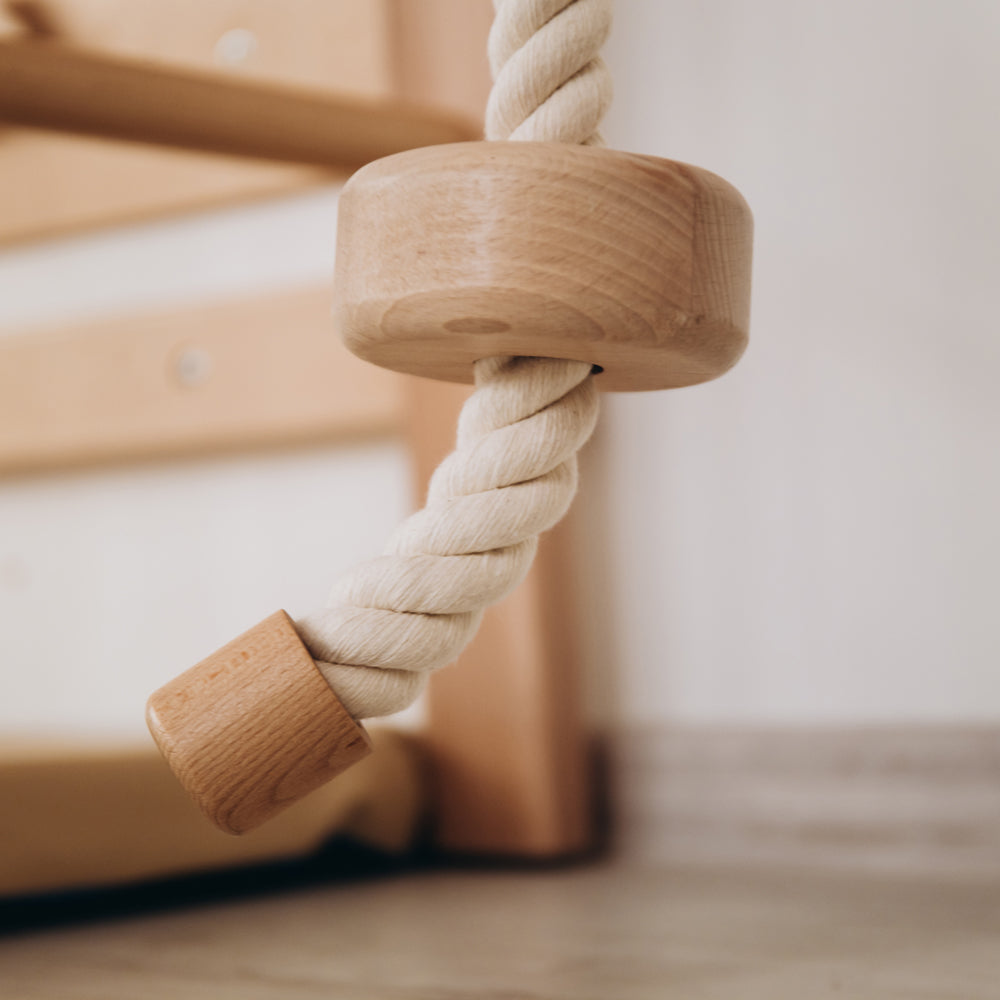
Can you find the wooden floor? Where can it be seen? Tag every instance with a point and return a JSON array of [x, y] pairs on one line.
[[605, 931]]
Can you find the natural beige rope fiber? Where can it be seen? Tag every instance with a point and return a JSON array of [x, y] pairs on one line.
[[513, 473], [550, 83]]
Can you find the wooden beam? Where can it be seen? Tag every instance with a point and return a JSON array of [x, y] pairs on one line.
[[437, 54], [506, 738], [45, 84], [256, 372], [57, 182]]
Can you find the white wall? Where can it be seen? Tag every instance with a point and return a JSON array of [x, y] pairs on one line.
[[813, 537], [114, 580]]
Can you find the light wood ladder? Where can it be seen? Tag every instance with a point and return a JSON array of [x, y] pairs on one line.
[[508, 759]]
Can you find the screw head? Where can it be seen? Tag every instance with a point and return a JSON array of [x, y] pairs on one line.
[[192, 367], [235, 46]]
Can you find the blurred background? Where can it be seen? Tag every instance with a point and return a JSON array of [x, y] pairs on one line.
[[785, 580], [811, 539]]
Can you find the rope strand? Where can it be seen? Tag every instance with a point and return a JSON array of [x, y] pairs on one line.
[[513, 474]]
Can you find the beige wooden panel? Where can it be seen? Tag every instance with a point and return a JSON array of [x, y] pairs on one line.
[[249, 373], [438, 53], [330, 44], [86, 814], [54, 183]]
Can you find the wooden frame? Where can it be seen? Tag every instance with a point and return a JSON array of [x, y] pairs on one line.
[[267, 372], [225, 376], [507, 740], [509, 750], [53, 87], [356, 55]]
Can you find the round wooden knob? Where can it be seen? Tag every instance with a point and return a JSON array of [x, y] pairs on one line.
[[453, 253], [254, 727]]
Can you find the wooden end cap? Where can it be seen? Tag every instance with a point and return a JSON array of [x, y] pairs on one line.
[[254, 727], [453, 253]]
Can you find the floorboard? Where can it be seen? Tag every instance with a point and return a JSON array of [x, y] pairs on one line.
[[596, 932]]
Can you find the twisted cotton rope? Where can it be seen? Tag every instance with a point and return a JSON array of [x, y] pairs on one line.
[[513, 474]]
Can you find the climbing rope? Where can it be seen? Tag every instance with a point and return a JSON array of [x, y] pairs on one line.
[[513, 474]]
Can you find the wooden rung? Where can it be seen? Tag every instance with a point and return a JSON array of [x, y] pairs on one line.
[[255, 372], [47, 85]]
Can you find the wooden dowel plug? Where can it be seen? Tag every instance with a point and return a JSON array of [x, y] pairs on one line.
[[254, 727]]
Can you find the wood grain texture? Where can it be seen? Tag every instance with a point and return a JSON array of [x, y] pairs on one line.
[[608, 932], [505, 737], [57, 183], [46, 85], [82, 814], [255, 372], [254, 727], [635, 264]]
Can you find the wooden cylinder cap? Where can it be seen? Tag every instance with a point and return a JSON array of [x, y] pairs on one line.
[[453, 253], [254, 727]]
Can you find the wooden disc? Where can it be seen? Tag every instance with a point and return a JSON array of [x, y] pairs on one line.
[[453, 253], [254, 727]]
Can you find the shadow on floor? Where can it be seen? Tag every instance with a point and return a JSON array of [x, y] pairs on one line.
[[341, 860]]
